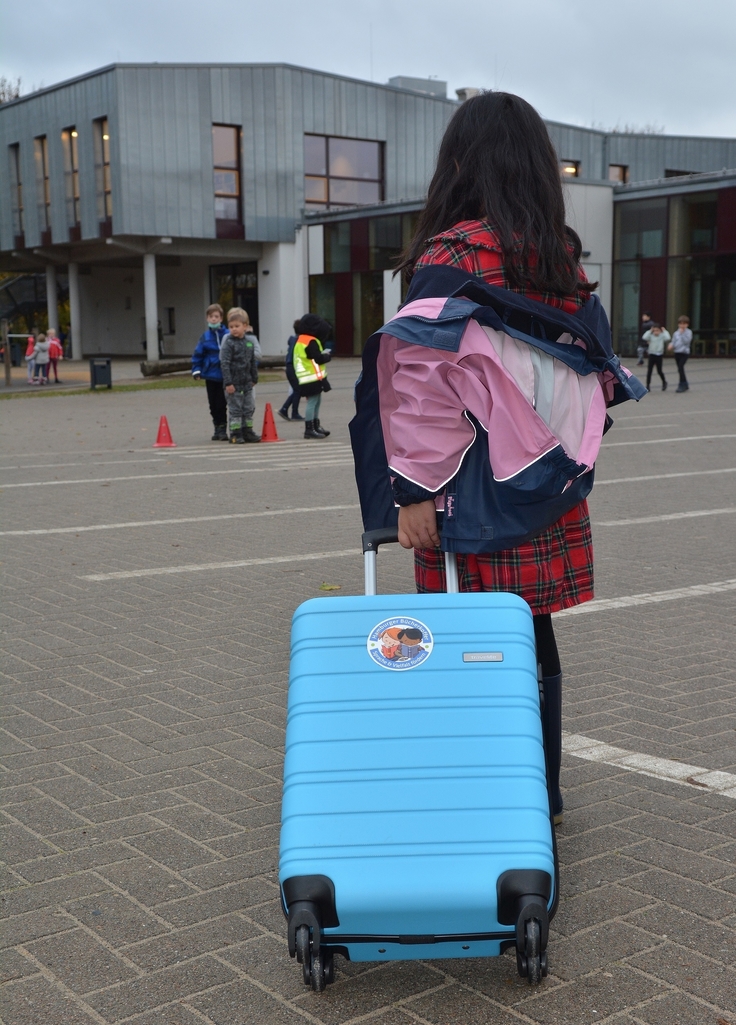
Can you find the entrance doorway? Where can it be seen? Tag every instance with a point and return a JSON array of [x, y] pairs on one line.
[[236, 284]]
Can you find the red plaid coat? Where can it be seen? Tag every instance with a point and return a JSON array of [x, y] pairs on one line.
[[554, 570]]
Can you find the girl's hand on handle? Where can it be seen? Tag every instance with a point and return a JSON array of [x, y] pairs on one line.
[[418, 525]]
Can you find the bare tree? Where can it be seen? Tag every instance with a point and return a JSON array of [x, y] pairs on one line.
[[9, 89]]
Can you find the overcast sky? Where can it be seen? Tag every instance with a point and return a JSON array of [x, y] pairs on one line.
[[668, 63]]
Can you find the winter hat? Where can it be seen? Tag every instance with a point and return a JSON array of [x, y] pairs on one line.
[[311, 324]]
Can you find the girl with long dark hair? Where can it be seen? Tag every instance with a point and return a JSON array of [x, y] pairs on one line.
[[495, 210]]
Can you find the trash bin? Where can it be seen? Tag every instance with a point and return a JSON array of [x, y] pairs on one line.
[[100, 373]]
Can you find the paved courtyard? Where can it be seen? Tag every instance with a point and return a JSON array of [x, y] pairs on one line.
[[146, 616]]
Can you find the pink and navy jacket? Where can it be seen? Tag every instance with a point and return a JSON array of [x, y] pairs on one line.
[[492, 403]]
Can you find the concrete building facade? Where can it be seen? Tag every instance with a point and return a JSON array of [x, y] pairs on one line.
[[147, 191]]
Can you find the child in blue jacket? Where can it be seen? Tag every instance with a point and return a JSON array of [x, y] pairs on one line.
[[206, 365]]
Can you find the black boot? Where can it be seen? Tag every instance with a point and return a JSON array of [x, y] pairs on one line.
[[283, 413], [320, 429], [310, 432], [552, 730], [249, 434], [220, 432], [236, 437]]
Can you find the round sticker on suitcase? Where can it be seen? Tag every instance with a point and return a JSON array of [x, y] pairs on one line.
[[400, 643]]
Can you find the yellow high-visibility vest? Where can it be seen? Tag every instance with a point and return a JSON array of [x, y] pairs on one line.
[[307, 370]]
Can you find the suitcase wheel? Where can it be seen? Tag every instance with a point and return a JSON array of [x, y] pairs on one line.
[[317, 970], [532, 963]]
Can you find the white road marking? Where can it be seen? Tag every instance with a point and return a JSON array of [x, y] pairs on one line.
[[198, 567], [648, 598], [664, 476], [665, 516], [663, 441], [298, 464], [188, 453], [675, 412], [185, 519], [693, 776]]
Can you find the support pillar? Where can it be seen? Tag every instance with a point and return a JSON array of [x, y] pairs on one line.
[[52, 308], [151, 305], [75, 317]]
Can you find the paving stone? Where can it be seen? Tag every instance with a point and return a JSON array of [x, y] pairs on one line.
[[19, 844], [237, 897], [68, 864], [685, 863], [368, 992], [173, 850], [50, 894], [13, 965], [246, 1004], [594, 906], [453, 1006], [80, 961], [21, 928], [220, 934], [162, 987], [146, 881], [685, 893], [597, 948], [115, 918], [174, 1014], [600, 994], [679, 1009], [717, 939], [692, 972], [35, 1000]]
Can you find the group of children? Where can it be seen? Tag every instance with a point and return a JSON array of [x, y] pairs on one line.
[[42, 354], [226, 359], [653, 343]]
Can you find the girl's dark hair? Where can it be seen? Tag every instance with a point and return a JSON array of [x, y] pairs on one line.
[[497, 164]]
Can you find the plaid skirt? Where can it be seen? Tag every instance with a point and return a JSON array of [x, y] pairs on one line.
[[551, 572]]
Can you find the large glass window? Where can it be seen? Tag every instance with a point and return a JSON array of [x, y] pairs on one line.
[[226, 160], [641, 228], [384, 241], [103, 183], [341, 172], [70, 148], [16, 196], [43, 188], [693, 222]]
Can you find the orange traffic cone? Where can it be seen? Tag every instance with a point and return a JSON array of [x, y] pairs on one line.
[[164, 439], [269, 432]]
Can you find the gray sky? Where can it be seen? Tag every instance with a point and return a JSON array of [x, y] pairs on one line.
[[668, 63]]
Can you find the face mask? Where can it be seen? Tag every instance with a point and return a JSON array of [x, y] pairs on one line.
[[214, 323]]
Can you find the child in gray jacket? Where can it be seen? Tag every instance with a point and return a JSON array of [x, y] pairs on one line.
[[656, 338], [239, 374]]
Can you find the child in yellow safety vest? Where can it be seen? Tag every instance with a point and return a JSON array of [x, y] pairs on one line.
[[309, 361]]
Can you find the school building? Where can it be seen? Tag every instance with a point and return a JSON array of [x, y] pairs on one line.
[[135, 195]]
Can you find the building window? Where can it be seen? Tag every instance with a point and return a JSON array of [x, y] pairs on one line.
[[640, 229], [618, 173], [570, 168], [16, 196], [342, 172], [170, 320], [103, 184], [70, 147], [236, 284], [43, 188], [226, 160]]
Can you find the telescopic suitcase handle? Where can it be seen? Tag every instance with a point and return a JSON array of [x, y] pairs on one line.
[[372, 539]]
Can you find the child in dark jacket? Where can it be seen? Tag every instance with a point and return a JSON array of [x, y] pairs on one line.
[[239, 374], [206, 365]]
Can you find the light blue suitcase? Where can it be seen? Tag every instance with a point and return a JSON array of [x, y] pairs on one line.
[[415, 820]]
